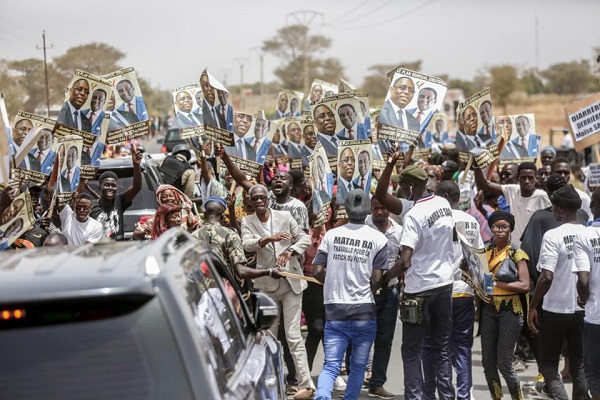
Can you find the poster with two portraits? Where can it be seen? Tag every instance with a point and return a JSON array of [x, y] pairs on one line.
[[288, 104], [16, 219], [511, 138], [412, 100]]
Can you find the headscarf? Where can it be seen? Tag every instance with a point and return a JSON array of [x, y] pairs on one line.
[[183, 201], [502, 216], [160, 219]]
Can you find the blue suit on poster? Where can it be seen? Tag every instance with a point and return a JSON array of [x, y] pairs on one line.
[[484, 137], [228, 116], [74, 179], [367, 179], [389, 116], [47, 162], [139, 106], [322, 195], [532, 144], [97, 124], [262, 152], [361, 133], [425, 122]]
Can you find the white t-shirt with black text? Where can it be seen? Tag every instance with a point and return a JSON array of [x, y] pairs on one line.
[[556, 256], [586, 250], [428, 230]]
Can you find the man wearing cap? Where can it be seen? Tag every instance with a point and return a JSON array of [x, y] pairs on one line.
[[427, 257], [354, 256], [524, 199], [562, 316], [449, 168], [279, 243], [177, 171]]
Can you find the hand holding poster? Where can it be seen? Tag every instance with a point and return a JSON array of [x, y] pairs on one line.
[[476, 265]]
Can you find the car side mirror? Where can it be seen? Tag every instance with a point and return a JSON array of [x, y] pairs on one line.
[[160, 141], [266, 311]]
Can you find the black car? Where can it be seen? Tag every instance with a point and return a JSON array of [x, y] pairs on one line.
[[133, 320], [172, 139], [144, 203]]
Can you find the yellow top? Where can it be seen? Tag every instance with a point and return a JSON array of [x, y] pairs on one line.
[[504, 297]]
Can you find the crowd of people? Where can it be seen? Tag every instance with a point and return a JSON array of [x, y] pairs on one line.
[[397, 249]]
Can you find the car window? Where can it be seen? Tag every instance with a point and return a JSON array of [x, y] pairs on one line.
[[217, 314], [172, 135]]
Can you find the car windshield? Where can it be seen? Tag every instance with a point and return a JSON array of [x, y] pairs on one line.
[[94, 351], [172, 135]]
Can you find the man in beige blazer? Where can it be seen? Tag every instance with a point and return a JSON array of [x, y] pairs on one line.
[[279, 243]]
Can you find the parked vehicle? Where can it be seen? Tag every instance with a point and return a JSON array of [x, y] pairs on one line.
[[172, 139], [133, 320]]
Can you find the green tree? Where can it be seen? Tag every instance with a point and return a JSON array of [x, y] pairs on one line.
[[531, 82], [570, 78], [291, 44], [95, 58], [377, 83], [29, 76], [467, 87], [504, 82], [157, 101]]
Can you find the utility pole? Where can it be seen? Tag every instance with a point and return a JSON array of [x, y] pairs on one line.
[[242, 61], [305, 18], [46, 72], [261, 57]]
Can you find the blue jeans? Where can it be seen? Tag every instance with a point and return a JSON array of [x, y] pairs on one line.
[[461, 343], [387, 314], [436, 328], [338, 335]]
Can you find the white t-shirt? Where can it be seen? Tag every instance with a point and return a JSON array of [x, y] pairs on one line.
[[79, 233], [523, 208], [586, 251], [469, 227], [353, 251], [428, 230], [393, 235], [585, 203], [557, 256]]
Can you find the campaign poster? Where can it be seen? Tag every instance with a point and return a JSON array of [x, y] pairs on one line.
[[354, 167], [346, 87], [259, 138], [477, 136], [409, 105], [278, 152], [318, 90], [321, 181], [216, 110], [16, 219], [243, 151], [336, 119], [288, 104], [293, 129], [583, 117], [5, 139], [128, 114], [24, 136], [187, 103], [68, 157], [521, 141], [477, 266], [436, 134], [308, 142], [593, 176]]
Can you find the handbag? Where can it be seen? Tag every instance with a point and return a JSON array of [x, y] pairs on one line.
[[508, 269]]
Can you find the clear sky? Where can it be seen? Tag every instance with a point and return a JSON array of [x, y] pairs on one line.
[[171, 42]]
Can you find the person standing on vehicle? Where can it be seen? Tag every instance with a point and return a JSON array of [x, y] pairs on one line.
[[177, 171], [111, 206]]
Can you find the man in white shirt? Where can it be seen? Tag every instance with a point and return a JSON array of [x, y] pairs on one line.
[[562, 317], [77, 226], [427, 259], [524, 199], [463, 305], [586, 248]]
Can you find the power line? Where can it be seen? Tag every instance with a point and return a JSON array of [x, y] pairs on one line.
[[351, 11], [392, 19], [374, 10]]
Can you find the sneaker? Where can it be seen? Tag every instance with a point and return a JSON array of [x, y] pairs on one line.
[[339, 384], [519, 366], [381, 393], [539, 390], [538, 378], [303, 394]]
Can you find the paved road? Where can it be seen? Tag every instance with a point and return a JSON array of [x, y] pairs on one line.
[[395, 376]]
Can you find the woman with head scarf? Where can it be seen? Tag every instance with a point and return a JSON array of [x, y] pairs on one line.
[[502, 318], [169, 194], [167, 216]]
